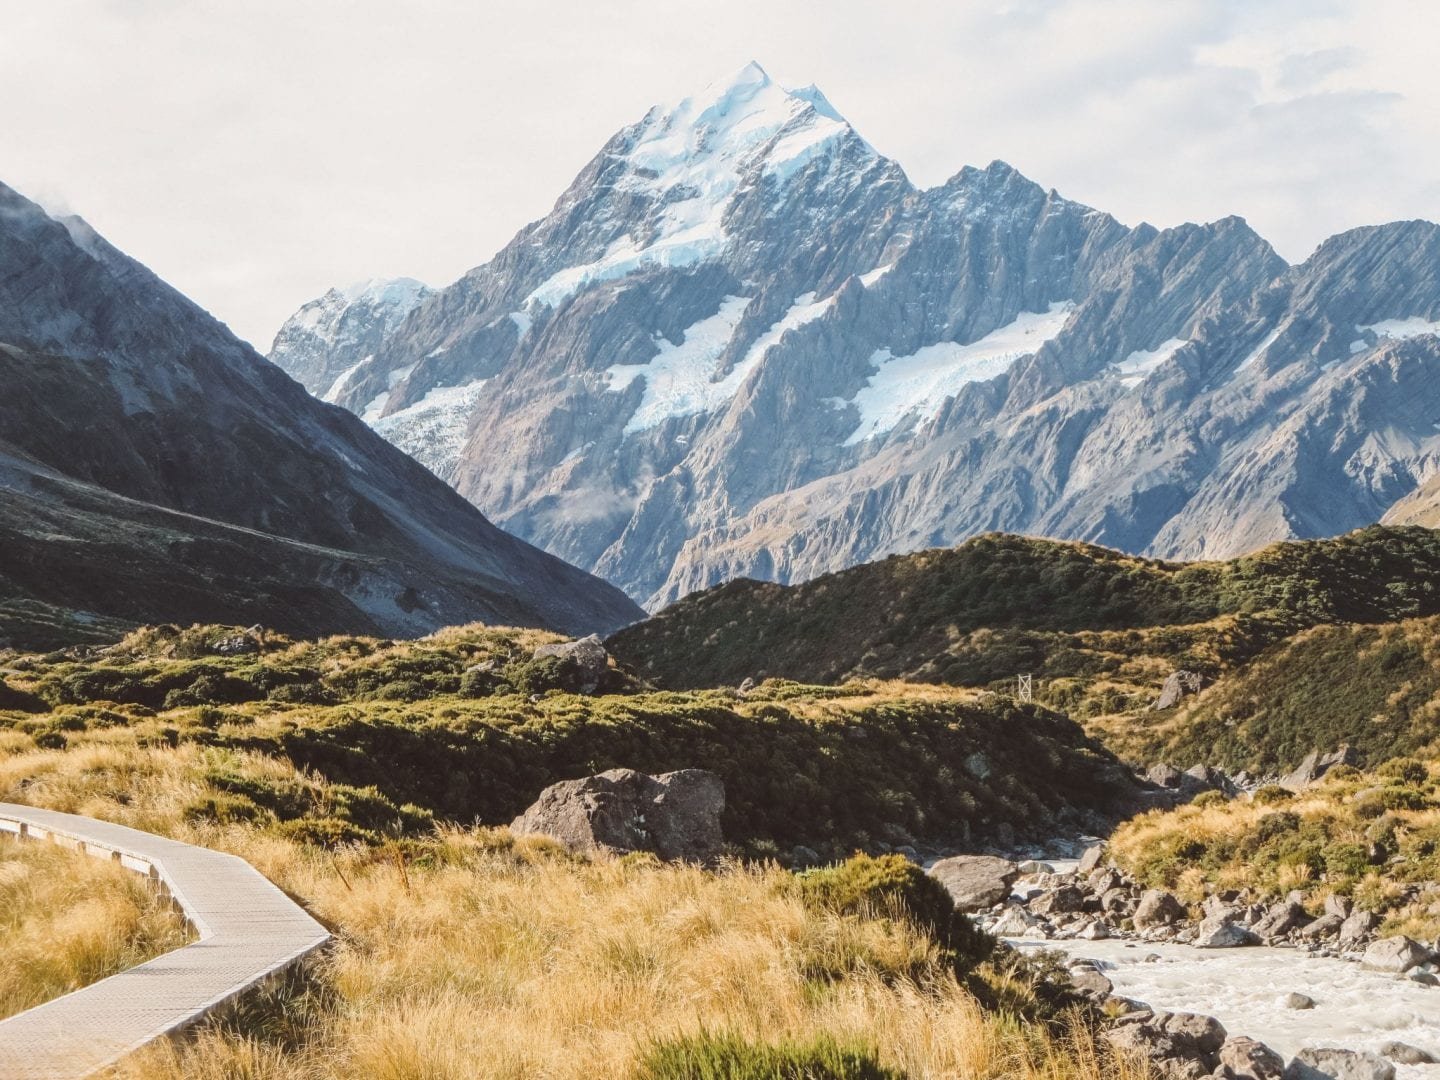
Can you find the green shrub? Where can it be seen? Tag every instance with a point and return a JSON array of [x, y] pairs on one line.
[[730, 1057], [1209, 798], [1346, 860], [1405, 770], [1376, 801], [893, 887], [1272, 794], [51, 740]]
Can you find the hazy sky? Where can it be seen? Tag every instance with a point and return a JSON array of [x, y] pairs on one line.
[[255, 153]]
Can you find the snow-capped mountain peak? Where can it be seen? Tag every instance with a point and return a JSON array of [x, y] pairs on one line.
[[333, 334]]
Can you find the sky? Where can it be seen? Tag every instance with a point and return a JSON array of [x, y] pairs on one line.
[[257, 152]]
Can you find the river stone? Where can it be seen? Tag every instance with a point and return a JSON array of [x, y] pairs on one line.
[[1222, 933], [1293, 1000], [1405, 1054], [1205, 1032], [1090, 860], [976, 882], [1090, 981], [1016, 922], [1061, 900], [1395, 954], [675, 815], [1280, 919], [1244, 1058], [1317, 1064], [1356, 928], [1325, 926], [1158, 908], [1172, 1057]]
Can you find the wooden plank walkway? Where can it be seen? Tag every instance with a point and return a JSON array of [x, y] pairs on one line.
[[248, 930]]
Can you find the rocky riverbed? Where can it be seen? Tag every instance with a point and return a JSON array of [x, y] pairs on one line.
[[1229, 988]]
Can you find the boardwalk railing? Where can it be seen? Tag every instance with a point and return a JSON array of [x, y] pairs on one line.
[[247, 930]]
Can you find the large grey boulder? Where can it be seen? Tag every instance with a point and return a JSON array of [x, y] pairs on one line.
[[1395, 954], [1280, 919], [976, 882], [1326, 1064], [1178, 1046], [1404, 1054], [1222, 932], [587, 655], [1090, 860], [1244, 1058], [675, 815], [1178, 685], [1158, 908], [1316, 765], [1357, 928]]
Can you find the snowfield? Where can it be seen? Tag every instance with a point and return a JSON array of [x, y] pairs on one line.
[[921, 383]]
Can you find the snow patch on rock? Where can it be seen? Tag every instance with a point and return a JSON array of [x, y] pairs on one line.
[[433, 430], [921, 383], [1134, 369]]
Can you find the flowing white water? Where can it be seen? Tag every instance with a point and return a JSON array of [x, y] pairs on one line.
[[1354, 1009]]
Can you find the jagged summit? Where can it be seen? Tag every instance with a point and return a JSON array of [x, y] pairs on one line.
[[744, 343]]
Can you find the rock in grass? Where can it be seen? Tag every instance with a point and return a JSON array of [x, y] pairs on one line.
[[675, 815]]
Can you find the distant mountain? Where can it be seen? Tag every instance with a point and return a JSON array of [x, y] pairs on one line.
[[154, 468], [330, 337], [744, 344]]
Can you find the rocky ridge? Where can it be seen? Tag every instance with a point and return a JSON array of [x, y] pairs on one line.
[[743, 343], [155, 468]]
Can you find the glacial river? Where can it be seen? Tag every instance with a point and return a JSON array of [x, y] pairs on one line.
[[1242, 988]]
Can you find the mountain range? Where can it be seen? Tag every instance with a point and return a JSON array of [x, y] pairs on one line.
[[743, 343], [153, 468]]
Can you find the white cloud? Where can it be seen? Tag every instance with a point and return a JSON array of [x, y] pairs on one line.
[[257, 152]]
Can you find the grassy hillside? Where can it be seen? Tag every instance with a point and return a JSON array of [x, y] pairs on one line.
[[1376, 687], [1000, 604], [464, 726]]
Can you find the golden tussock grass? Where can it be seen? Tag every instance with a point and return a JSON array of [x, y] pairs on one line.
[[67, 920], [475, 954]]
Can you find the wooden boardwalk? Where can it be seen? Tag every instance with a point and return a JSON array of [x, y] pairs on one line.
[[248, 930]]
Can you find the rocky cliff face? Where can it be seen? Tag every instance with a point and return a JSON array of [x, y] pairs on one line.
[[154, 467], [743, 343]]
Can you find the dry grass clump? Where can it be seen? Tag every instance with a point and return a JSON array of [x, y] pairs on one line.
[[67, 920]]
